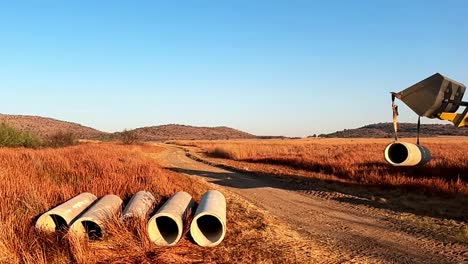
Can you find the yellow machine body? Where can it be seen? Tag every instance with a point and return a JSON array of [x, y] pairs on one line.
[[454, 118]]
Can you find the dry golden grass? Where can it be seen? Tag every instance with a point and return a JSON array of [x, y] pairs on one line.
[[33, 181], [333, 167], [350, 160]]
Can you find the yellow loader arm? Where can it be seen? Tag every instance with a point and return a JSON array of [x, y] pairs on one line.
[[458, 120]]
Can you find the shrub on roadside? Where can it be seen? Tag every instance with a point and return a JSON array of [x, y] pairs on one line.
[[12, 137], [128, 137], [220, 152], [62, 139]]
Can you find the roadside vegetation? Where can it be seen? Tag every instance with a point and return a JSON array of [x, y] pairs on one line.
[[13, 137], [358, 161], [356, 167], [61, 139], [33, 181], [128, 137]]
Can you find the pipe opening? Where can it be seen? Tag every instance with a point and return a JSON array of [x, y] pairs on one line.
[[398, 153], [168, 229], [93, 230], [59, 222], [210, 227]]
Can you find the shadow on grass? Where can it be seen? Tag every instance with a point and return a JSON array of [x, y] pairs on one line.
[[446, 172], [403, 199]]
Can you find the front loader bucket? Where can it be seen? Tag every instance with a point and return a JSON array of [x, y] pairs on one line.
[[432, 96]]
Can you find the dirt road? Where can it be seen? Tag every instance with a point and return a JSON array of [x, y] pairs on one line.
[[356, 232]]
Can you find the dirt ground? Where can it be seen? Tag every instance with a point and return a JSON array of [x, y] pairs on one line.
[[345, 224]]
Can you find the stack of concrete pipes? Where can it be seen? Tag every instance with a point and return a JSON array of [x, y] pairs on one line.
[[85, 215]]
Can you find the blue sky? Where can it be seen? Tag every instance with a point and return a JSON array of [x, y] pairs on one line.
[[291, 68]]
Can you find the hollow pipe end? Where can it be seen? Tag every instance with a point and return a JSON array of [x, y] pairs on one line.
[[163, 233], [207, 229], [403, 154], [46, 223], [87, 227]]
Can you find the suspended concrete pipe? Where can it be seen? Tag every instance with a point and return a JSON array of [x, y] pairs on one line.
[[165, 228], [208, 226], [91, 222], [407, 154], [139, 206], [61, 216]]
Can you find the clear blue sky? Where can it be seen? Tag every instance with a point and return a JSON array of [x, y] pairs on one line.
[[267, 67]]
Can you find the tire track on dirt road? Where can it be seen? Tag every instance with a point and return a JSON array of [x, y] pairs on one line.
[[357, 233]]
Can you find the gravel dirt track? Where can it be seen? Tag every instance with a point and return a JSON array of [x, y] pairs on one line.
[[357, 233]]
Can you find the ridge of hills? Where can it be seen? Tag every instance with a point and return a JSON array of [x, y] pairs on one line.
[[45, 127], [385, 130]]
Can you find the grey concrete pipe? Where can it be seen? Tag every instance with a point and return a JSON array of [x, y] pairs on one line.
[[165, 228], [208, 226], [139, 206], [407, 154], [61, 216], [91, 222]]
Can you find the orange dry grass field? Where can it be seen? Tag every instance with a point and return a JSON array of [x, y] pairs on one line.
[[350, 160], [34, 181]]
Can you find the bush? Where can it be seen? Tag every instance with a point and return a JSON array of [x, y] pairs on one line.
[[62, 139], [220, 152], [128, 137], [12, 137]]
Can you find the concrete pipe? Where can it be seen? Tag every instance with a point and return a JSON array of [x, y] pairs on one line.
[[139, 206], [91, 222], [61, 216], [208, 226], [165, 228], [407, 154]]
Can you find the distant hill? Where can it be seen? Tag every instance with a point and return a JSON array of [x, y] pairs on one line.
[[45, 127], [385, 130], [183, 132]]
